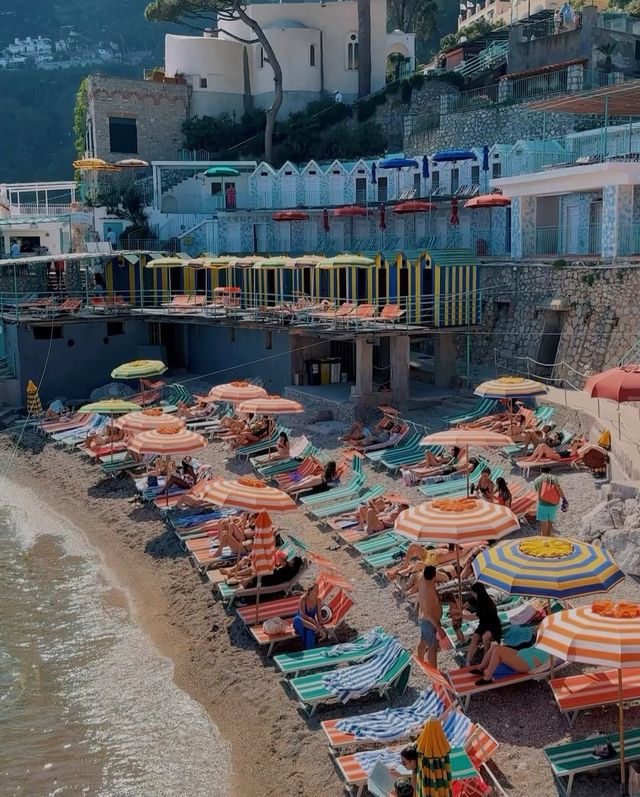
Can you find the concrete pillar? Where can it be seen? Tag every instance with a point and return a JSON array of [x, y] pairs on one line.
[[445, 103], [523, 226], [445, 356], [575, 77], [362, 393], [504, 89], [399, 357], [617, 218]]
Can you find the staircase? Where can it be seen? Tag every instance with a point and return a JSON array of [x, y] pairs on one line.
[[483, 61]]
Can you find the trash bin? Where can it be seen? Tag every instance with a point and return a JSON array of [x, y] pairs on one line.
[[325, 373], [313, 372], [336, 367]]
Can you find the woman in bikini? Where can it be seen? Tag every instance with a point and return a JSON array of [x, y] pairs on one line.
[[500, 661], [371, 521]]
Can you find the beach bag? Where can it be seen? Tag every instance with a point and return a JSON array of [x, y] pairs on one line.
[[605, 439], [549, 493], [274, 626]]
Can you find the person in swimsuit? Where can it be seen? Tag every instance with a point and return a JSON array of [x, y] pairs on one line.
[[500, 661], [430, 612], [307, 623], [503, 493], [485, 486]]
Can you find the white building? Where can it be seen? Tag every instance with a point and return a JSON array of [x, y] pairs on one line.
[[316, 44], [30, 46]]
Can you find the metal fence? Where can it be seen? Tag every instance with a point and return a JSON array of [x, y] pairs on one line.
[[557, 240]]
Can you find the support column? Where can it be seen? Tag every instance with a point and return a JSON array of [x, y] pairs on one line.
[[399, 357], [445, 356], [362, 393], [523, 226], [617, 219]]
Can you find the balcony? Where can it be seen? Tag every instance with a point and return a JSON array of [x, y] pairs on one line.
[[629, 239], [556, 241], [199, 204]]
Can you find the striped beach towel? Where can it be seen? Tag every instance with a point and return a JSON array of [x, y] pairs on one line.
[[457, 727], [393, 723], [369, 758], [367, 641], [351, 682]]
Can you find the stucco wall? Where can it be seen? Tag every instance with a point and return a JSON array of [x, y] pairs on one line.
[[158, 108], [234, 353]]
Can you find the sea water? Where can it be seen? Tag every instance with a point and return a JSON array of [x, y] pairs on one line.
[[87, 705]]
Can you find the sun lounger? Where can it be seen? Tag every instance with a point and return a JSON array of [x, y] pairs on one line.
[[555, 464], [573, 758], [409, 445], [457, 487], [229, 594], [77, 434], [281, 607], [394, 462], [339, 605], [64, 423], [262, 445], [518, 449], [484, 408], [319, 658], [356, 768], [577, 693], [389, 724], [390, 314], [311, 690], [320, 513], [363, 312], [352, 488], [345, 309]]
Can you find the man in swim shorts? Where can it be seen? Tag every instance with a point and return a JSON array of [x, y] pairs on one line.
[[430, 612]]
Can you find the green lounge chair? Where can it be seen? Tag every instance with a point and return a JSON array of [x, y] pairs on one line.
[[387, 558], [286, 465], [310, 690], [411, 443], [457, 490], [484, 407], [261, 445], [291, 664], [347, 506], [394, 464], [377, 543], [313, 502], [453, 485], [175, 392], [572, 758]]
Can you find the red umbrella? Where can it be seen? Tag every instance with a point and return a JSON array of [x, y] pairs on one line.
[[382, 218], [325, 220], [415, 206], [454, 220], [290, 215], [617, 384], [488, 201], [350, 210]]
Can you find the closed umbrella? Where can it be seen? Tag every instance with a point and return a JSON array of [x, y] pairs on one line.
[[263, 552], [434, 767], [454, 219], [325, 220], [139, 369], [425, 167], [464, 438], [617, 384], [456, 521], [34, 405], [485, 165], [248, 493], [606, 634], [546, 567], [374, 173], [237, 391], [382, 218]]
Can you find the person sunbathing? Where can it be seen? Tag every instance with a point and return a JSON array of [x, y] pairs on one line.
[[488, 420], [237, 537], [544, 452], [387, 439], [434, 465], [379, 434], [202, 409], [317, 482], [356, 433], [283, 449], [112, 434], [372, 521], [484, 487], [500, 661], [256, 431], [534, 437]]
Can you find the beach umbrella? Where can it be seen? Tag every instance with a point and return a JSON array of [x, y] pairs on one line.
[[453, 156], [151, 418], [374, 173], [398, 163], [347, 261], [434, 767], [34, 405], [425, 167], [139, 369], [413, 206], [547, 567], [270, 405], [290, 215], [617, 384], [221, 171], [173, 261], [350, 212], [237, 391], [248, 493], [112, 406], [509, 388], [132, 163], [94, 164], [465, 438], [168, 441], [488, 201], [605, 634], [263, 551], [325, 220], [456, 521]]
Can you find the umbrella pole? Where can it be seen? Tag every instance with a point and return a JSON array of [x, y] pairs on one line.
[[459, 575], [468, 479], [623, 789], [619, 425], [258, 597]]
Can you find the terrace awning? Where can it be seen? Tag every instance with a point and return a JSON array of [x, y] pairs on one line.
[[620, 99]]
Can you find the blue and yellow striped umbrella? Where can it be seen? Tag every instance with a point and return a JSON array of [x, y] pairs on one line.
[[547, 567]]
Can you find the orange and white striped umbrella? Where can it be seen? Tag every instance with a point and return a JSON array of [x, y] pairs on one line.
[[248, 493], [153, 418], [167, 440], [270, 405], [456, 521], [604, 633], [480, 438], [263, 551], [511, 387], [235, 392]]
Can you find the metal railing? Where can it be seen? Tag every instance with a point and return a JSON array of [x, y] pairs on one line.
[[622, 23], [473, 99], [629, 239], [562, 240], [43, 209], [202, 204]]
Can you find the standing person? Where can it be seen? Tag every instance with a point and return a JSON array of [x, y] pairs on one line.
[[15, 248], [230, 197], [58, 267], [549, 497], [557, 21], [430, 611], [111, 238], [489, 627], [337, 95]]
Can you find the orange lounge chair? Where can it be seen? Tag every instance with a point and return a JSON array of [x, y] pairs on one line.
[[345, 309], [339, 605], [283, 607], [308, 467], [565, 462], [591, 690], [363, 312], [63, 424], [390, 314]]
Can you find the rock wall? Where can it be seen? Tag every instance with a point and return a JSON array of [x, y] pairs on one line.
[[590, 312]]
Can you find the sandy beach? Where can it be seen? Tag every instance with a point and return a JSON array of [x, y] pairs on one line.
[[275, 749]]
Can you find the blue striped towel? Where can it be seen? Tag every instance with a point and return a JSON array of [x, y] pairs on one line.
[[352, 682], [368, 640], [393, 723], [456, 727], [390, 758]]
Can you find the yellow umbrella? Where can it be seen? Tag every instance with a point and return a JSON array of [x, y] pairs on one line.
[[34, 405], [434, 766]]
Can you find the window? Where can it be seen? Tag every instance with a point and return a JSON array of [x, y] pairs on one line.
[[637, 51], [203, 83], [496, 170], [123, 135], [435, 180], [115, 328], [312, 55], [417, 183], [382, 189], [455, 180], [216, 189], [352, 51], [48, 332], [475, 175], [154, 333]]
